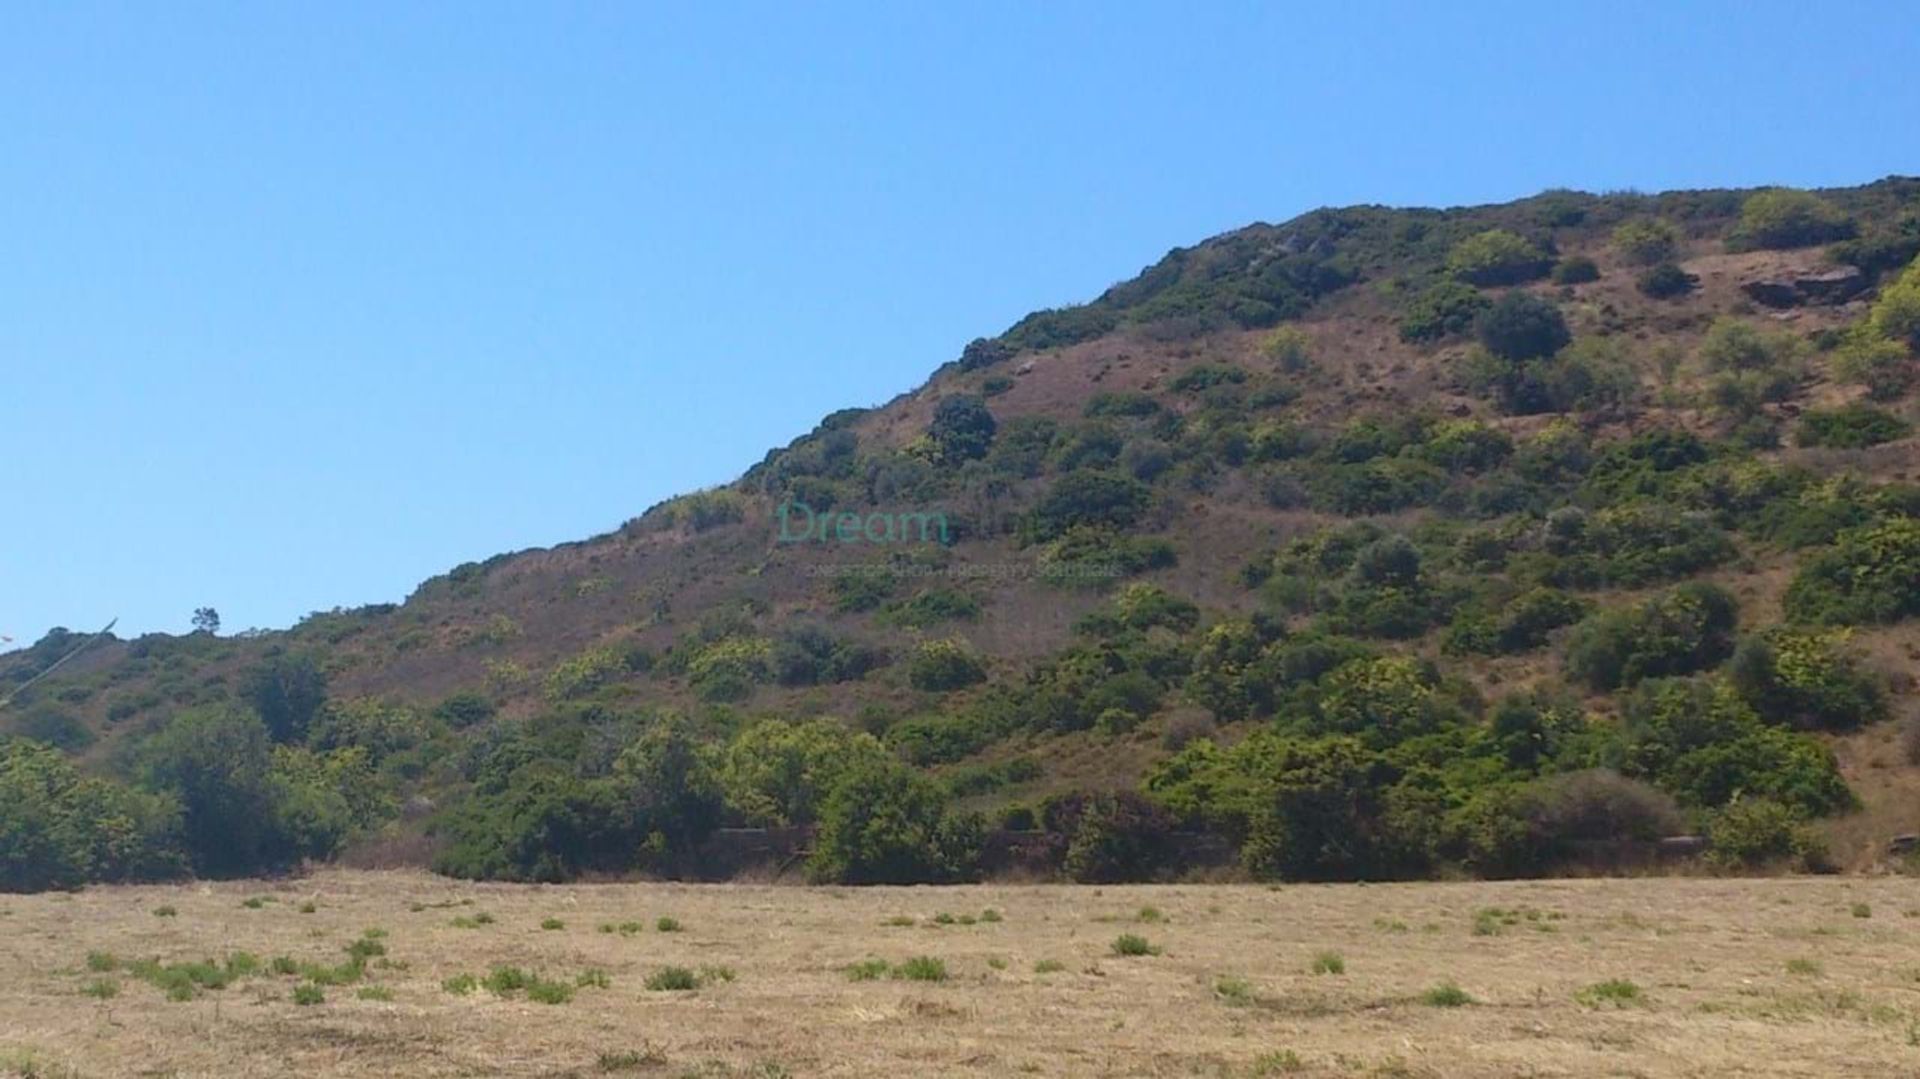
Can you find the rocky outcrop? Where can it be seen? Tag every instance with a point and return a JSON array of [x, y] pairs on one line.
[[1821, 287]]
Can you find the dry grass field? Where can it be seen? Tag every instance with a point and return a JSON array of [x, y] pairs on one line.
[[1648, 977]]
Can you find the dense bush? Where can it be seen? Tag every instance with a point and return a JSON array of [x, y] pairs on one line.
[[1666, 281], [941, 666], [1646, 241], [1109, 837], [777, 773], [1884, 366], [1896, 314], [1522, 326], [984, 352], [1806, 680], [532, 816], [1446, 309], [884, 824], [59, 829], [1753, 833], [287, 691], [50, 724], [1575, 270], [1685, 630], [962, 429], [1870, 574], [1696, 738], [1850, 427], [807, 655], [246, 807], [1520, 625], [1088, 498], [1733, 345], [1783, 217], [1497, 257]]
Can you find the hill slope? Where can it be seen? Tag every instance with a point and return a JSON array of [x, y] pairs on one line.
[[1452, 491]]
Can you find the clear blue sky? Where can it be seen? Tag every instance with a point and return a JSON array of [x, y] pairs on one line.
[[301, 304]]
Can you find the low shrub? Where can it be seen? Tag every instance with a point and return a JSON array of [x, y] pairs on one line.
[[1850, 427], [1783, 217]]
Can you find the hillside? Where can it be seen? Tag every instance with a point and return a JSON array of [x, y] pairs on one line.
[[1379, 517]]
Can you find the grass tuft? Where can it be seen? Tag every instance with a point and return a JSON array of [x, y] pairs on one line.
[[673, 980], [1614, 992], [1445, 995], [1133, 944]]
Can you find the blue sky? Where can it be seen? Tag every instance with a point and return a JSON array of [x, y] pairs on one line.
[[301, 304]]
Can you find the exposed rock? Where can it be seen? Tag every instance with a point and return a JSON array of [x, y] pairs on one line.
[[1824, 287], [1903, 844], [1772, 293], [1837, 285]]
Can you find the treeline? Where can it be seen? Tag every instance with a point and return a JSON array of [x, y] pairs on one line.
[[255, 785]]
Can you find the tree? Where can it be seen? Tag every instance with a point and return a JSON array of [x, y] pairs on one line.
[[886, 824], [287, 691], [1522, 327], [219, 762], [206, 620], [778, 773]]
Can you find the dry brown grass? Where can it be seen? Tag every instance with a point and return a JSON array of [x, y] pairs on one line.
[[1232, 992]]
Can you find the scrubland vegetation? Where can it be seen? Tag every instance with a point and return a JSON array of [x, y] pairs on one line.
[[1381, 544]]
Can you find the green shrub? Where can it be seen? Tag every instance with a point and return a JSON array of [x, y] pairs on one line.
[[1110, 836], [1522, 326], [1615, 992], [1783, 217], [1850, 427], [1088, 498], [1685, 630], [60, 829], [672, 980], [1497, 257], [1132, 944], [1646, 240], [867, 970], [943, 666], [984, 352], [1205, 377], [1756, 832], [1896, 314], [1870, 574], [962, 429], [1575, 270], [1885, 367], [306, 995], [1289, 348], [1446, 309], [1807, 680], [1666, 281], [1445, 995], [920, 968], [885, 824], [1698, 739]]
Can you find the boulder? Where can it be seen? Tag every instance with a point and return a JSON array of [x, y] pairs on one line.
[[1822, 287]]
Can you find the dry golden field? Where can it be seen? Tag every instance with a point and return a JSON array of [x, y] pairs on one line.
[[1800, 977]]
